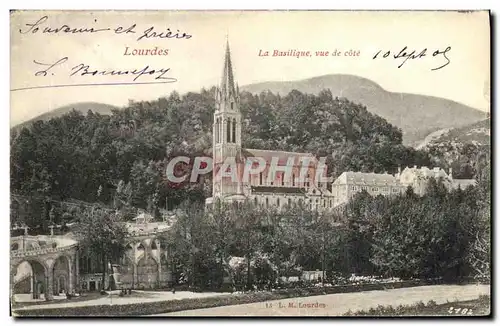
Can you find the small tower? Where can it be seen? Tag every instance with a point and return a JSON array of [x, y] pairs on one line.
[[226, 129]]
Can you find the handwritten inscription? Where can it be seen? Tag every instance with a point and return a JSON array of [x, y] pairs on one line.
[[406, 55], [41, 27], [83, 69]]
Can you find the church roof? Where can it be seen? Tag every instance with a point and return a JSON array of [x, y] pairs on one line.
[[278, 190], [366, 178], [268, 155]]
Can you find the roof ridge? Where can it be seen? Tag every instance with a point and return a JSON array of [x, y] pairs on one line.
[[271, 150]]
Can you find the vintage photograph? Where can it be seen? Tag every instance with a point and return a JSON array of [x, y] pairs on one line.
[[250, 163]]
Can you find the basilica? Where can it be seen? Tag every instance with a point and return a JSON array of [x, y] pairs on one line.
[[284, 177]]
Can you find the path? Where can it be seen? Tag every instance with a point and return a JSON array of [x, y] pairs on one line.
[[338, 304], [142, 296]]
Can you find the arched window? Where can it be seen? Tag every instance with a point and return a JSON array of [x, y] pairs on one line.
[[260, 178], [278, 202], [293, 180], [221, 130], [232, 105], [217, 140], [228, 130], [255, 201], [283, 179], [267, 202], [234, 131]]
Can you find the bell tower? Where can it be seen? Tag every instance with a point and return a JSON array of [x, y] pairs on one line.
[[226, 129]]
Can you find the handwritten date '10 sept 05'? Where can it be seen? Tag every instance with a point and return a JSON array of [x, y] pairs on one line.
[[406, 55]]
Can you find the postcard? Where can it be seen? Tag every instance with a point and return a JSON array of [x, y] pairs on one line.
[[250, 163]]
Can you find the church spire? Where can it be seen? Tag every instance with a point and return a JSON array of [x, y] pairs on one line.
[[227, 88]]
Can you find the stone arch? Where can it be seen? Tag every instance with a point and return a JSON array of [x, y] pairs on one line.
[[36, 284], [62, 274], [147, 272]]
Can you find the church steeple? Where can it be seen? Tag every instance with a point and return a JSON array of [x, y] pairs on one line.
[[226, 127], [227, 83], [227, 94]]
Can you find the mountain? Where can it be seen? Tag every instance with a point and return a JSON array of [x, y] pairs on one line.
[[83, 107], [477, 133], [416, 115]]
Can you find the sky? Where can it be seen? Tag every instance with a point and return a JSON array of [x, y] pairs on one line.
[[196, 62]]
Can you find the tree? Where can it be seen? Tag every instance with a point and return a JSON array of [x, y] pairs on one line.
[[102, 234], [221, 223], [248, 235], [479, 250]]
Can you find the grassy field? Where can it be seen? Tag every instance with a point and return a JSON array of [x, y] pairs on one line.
[[478, 307]]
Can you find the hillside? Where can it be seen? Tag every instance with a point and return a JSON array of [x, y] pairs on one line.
[[416, 115], [82, 107], [477, 133]]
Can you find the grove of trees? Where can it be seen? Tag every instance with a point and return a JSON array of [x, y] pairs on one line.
[[118, 161]]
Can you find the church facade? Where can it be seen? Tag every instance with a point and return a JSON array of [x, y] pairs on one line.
[[264, 177]]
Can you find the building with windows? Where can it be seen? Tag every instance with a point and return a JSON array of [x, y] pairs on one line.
[[350, 183]]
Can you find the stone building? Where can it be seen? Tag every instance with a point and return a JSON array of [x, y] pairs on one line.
[[350, 183], [419, 178]]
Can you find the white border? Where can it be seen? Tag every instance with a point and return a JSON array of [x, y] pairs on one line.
[[196, 5]]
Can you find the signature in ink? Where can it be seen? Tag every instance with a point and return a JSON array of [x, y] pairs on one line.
[[49, 69]]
